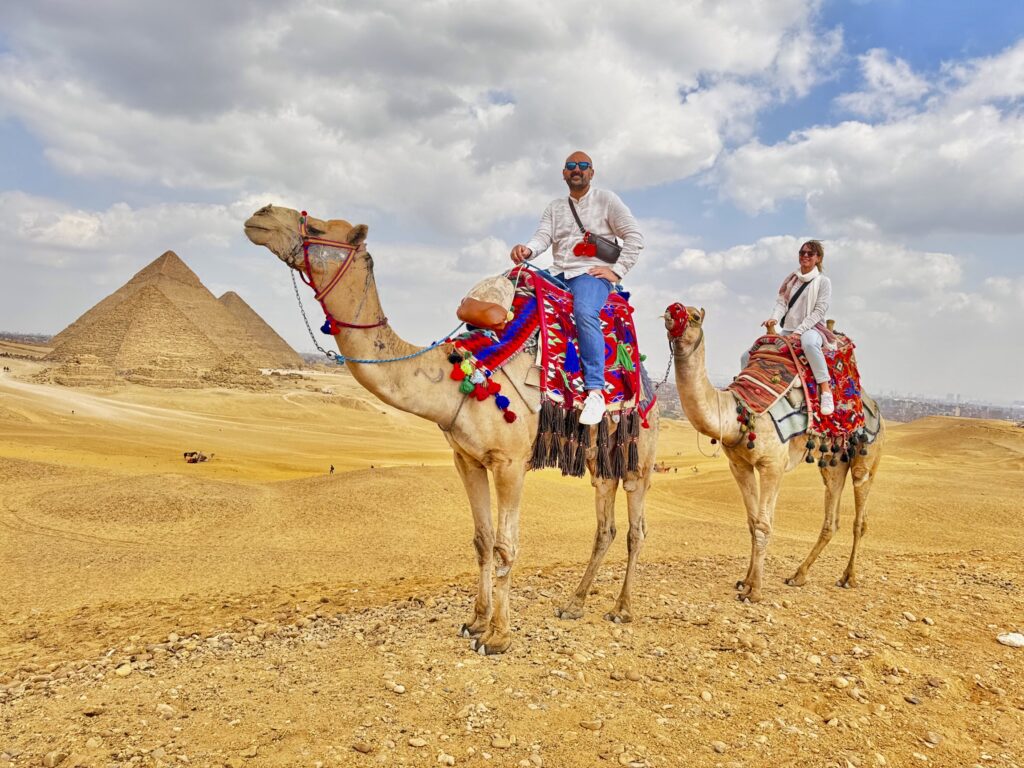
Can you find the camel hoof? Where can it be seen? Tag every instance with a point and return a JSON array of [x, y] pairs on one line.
[[618, 618], [466, 631], [568, 615], [847, 583]]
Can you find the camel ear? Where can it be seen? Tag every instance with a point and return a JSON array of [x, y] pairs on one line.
[[702, 314], [358, 234]]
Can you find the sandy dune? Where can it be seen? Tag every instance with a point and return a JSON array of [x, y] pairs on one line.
[[254, 610]]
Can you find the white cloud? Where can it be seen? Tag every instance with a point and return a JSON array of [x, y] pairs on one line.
[[955, 164], [452, 113], [891, 86]]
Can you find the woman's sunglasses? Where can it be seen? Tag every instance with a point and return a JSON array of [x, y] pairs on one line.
[[572, 166]]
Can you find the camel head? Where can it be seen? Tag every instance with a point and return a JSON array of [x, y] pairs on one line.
[[683, 324], [277, 228]]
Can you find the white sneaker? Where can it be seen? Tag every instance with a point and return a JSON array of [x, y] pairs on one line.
[[828, 404], [593, 408]]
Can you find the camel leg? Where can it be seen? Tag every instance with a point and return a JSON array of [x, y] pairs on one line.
[[863, 477], [474, 478], [635, 492], [770, 477], [604, 502], [834, 479], [747, 482], [508, 482]]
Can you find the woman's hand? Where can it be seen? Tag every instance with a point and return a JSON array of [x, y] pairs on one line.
[[520, 253]]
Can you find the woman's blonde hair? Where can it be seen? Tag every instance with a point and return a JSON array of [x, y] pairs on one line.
[[819, 249]]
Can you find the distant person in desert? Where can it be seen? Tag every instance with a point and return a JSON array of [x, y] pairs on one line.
[[332, 470], [800, 308], [602, 213]]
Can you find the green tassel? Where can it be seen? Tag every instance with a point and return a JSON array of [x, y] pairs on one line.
[[623, 357], [466, 386]]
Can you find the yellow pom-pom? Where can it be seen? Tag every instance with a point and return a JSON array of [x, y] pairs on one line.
[[510, 316], [467, 367]]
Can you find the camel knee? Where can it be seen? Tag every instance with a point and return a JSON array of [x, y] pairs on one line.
[[637, 534], [606, 535], [504, 557], [761, 536]]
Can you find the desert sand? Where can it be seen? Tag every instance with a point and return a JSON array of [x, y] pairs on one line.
[[255, 610]]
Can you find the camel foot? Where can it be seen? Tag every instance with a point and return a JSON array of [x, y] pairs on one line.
[[468, 631], [493, 644], [569, 613], [849, 581], [797, 579], [619, 617]]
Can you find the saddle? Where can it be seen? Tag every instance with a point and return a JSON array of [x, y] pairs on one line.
[[777, 365], [540, 320]]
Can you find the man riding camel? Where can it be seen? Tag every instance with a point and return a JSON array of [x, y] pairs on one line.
[[598, 212]]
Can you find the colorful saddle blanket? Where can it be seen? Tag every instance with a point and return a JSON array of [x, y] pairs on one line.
[[543, 310], [776, 362]]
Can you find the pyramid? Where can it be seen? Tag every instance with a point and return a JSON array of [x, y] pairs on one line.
[[280, 354], [164, 327]]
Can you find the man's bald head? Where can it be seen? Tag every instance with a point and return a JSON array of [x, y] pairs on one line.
[[577, 173]]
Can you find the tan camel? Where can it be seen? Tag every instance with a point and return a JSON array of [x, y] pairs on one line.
[[712, 412], [480, 438]]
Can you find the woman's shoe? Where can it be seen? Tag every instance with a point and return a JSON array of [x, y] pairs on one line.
[[828, 404]]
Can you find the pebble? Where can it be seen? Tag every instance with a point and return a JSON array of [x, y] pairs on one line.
[[54, 758], [909, 616], [445, 759], [719, 747], [911, 699], [124, 670], [929, 621], [841, 682], [1012, 639], [363, 747], [706, 695], [633, 675], [500, 742], [933, 739], [416, 741], [94, 742], [591, 725], [252, 751], [165, 711], [814, 659]]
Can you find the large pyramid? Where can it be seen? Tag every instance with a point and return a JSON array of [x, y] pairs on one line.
[[164, 327]]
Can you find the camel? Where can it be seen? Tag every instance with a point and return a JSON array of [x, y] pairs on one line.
[[481, 439], [712, 412]]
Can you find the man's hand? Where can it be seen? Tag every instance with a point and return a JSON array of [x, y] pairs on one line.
[[604, 272], [520, 253]]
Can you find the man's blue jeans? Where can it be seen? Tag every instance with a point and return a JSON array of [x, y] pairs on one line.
[[589, 294]]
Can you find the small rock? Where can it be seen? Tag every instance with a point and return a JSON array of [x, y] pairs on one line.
[[500, 742], [936, 682], [929, 621], [814, 659], [933, 739], [633, 675], [252, 751], [94, 742], [591, 725], [1012, 639], [719, 747], [165, 711], [911, 699], [124, 670], [840, 682], [706, 695], [363, 747], [416, 741], [54, 758], [909, 616], [445, 759]]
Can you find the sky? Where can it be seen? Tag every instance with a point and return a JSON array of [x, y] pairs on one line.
[[892, 130]]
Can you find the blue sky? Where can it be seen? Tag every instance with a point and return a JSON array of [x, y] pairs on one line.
[[890, 130]]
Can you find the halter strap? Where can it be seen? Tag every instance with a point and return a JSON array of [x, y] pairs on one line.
[[332, 326]]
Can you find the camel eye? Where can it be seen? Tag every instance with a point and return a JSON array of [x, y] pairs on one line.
[[264, 209], [313, 230]]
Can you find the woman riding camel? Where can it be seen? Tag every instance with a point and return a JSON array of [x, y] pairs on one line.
[[801, 307]]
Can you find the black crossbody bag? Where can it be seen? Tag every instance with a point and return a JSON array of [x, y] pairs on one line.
[[792, 301], [607, 251]]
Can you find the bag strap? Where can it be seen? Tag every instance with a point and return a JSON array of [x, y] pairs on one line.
[[792, 301], [577, 217]]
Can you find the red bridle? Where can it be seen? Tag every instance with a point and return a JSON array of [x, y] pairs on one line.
[[331, 326], [680, 317]]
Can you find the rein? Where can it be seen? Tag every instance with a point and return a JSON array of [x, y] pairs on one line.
[[332, 325]]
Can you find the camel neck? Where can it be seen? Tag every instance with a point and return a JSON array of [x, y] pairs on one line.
[[711, 411], [417, 385]]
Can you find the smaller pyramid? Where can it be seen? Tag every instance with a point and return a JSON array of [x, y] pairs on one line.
[[163, 327]]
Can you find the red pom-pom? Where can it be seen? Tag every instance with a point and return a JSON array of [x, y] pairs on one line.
[[509, 416], [480, 393], [751, 436], [457, 373], [493, 387], [304, 213]]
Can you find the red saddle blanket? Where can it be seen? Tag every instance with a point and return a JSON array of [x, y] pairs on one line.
[[544, 309], [776, 361]]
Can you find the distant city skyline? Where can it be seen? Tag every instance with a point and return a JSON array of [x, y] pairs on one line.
[[889, 129]]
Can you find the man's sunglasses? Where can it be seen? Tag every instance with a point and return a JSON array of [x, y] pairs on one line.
[[572, 166]]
